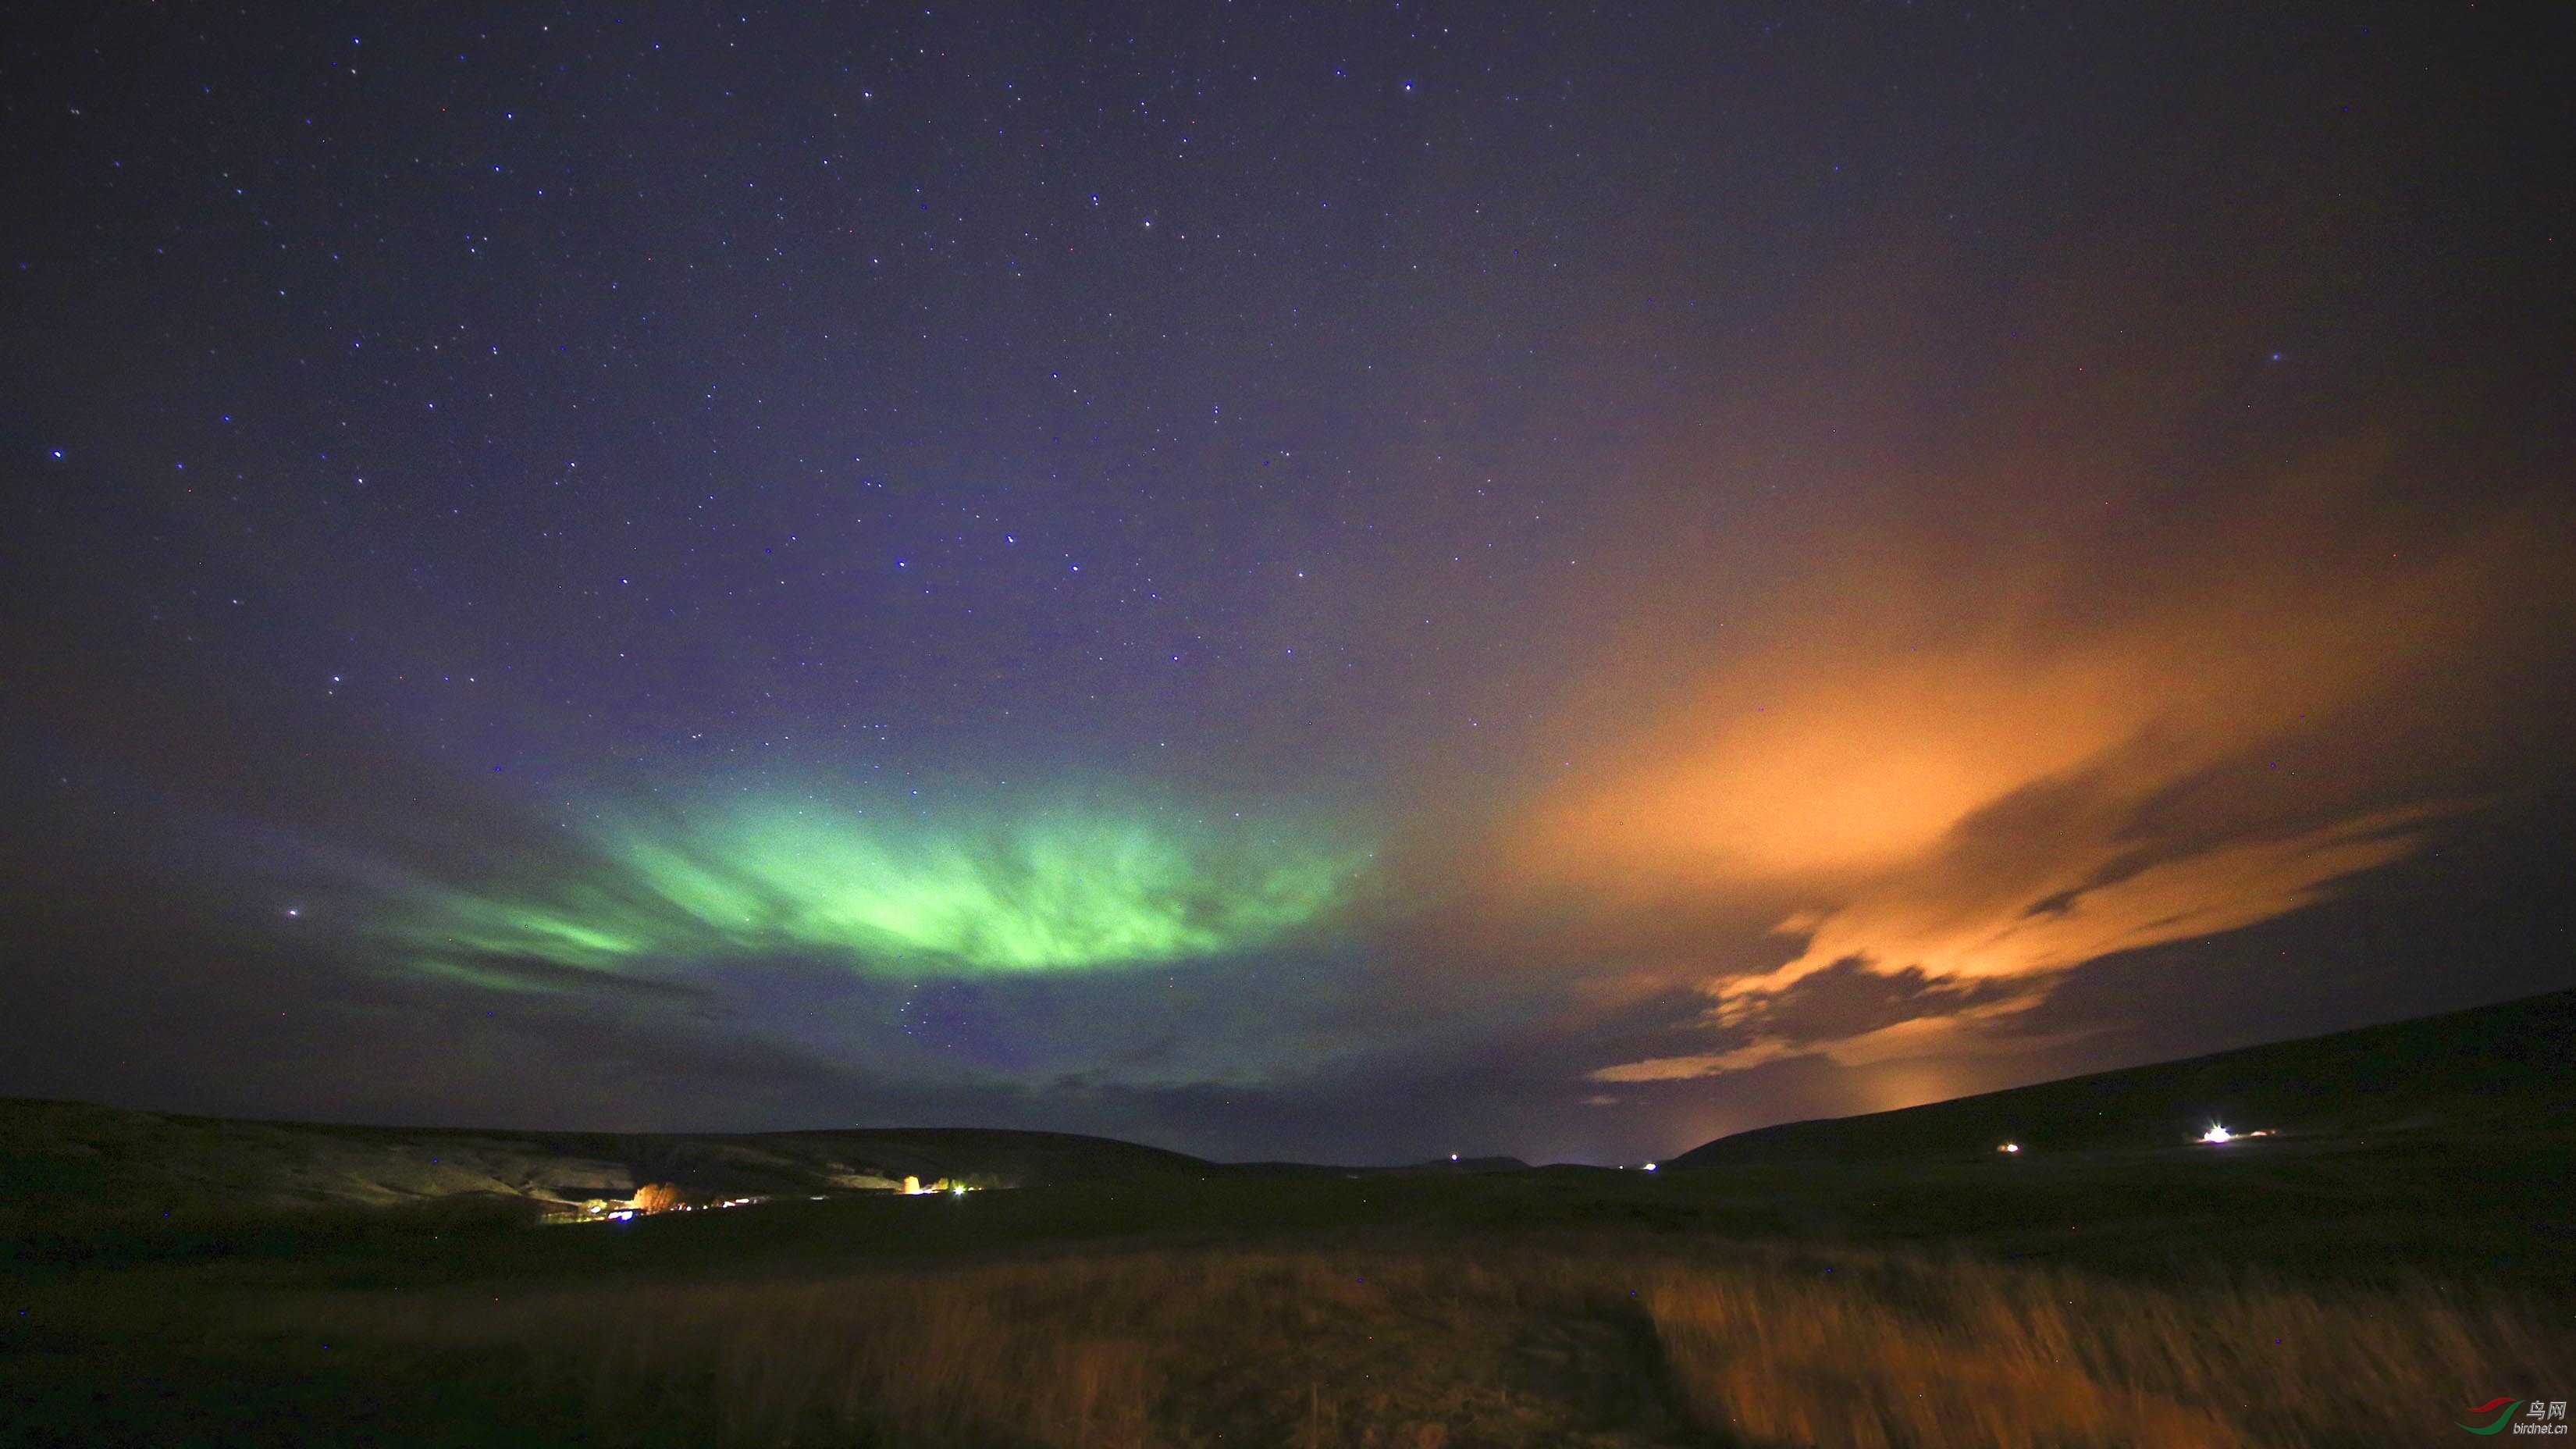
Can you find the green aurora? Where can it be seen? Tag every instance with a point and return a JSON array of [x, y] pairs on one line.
[[1059, 890]]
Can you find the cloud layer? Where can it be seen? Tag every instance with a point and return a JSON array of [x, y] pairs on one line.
[[1973, 757]]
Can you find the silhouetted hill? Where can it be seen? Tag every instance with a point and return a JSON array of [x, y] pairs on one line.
[[2493, 1068], [56, 1155], [1436, 1167]]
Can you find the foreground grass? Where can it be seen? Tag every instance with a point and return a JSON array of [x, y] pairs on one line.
[[1521, 1342], [2263, 1298]]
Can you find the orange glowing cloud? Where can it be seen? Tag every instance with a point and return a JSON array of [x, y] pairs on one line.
[[1790, 767], [1984, 772]]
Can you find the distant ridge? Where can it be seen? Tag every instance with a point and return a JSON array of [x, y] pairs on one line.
[[59, 1155], [2491, 1066], [1436, 1167]]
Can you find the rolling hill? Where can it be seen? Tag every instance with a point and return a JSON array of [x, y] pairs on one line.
[[73, 1155], [2490, 1073], [2491, 1070]]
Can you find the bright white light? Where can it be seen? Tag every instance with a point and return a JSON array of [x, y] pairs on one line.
[[1650, 1167], [2217, 1133], [1453, 1157], [2009, 1147]]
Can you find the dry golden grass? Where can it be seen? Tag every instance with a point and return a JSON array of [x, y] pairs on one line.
[[1894, 1352], [1519, 1344]]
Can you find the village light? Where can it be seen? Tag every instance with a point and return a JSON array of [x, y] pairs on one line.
[[2216, 1134]]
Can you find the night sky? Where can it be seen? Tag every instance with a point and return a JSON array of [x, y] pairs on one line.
[[1349, 583]]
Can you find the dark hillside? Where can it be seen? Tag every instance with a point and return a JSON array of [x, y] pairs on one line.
[[2497, 1069], [73, 1155]]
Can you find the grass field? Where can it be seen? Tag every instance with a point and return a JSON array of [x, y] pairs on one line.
[[2282, 1296], [1509, 1343], [2404, 1250]]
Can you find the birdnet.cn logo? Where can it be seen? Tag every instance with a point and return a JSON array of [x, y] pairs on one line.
[[2519, 1416]]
